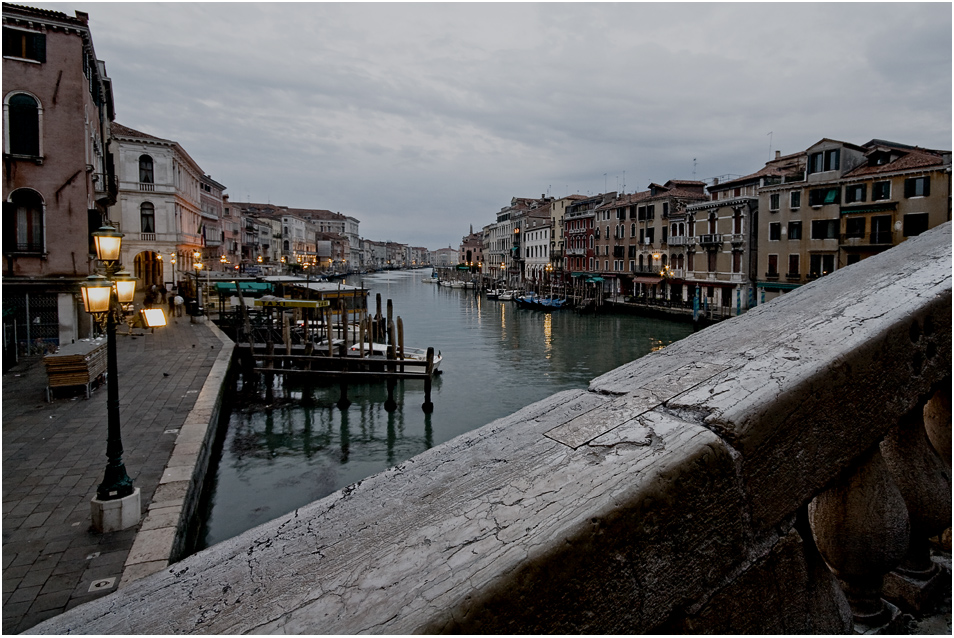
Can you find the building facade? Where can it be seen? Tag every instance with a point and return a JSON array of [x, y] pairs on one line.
[[159, 208], [852, 202], [58, 178]]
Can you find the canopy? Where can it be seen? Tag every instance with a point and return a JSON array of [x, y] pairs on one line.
[[647, 280], [246, 285]]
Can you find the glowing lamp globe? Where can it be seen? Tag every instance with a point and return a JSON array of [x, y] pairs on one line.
[[125, 286], [108, 243], [96, 291]]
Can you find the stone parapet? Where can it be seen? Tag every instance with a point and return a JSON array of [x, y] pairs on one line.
[[673, 495]]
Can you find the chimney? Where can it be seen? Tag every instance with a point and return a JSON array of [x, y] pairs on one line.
[[778, 154], [715, 181]]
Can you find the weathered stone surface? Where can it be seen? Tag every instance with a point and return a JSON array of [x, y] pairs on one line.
[[818, 374], [650, 507], [791, 580]]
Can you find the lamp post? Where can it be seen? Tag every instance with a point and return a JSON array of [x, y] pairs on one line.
[[198, 290], [117, 504]]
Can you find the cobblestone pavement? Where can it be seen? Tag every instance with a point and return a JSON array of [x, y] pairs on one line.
[[54, 455]]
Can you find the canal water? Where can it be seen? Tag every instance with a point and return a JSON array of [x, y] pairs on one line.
[[497, 358]]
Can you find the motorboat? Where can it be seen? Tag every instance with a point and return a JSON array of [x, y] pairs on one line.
[[380, 350]]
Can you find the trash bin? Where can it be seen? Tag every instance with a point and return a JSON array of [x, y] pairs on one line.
[[192, 307]]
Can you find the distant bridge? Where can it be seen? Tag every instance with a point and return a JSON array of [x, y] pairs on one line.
[[689, 491]]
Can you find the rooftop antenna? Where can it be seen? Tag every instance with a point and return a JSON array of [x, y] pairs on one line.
[[604, 182], [770, 144], [624, 182], [693, 168]]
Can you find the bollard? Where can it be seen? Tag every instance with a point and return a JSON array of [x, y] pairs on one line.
[[427, 406]]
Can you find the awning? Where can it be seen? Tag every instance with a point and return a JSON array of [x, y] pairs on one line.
[[646, 280], [246, 285], [869, 208], [594, 280]]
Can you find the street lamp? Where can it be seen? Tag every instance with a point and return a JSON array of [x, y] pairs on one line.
[[198, 289], [104, 297]]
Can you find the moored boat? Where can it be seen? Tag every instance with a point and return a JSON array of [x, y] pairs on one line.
[[380, 351]]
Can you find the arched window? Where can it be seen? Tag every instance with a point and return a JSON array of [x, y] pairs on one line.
[[145, 170], [632, 230], [23, 116], [640, 263], [664, 256], [147, 218], [23, 222], [285, 245]]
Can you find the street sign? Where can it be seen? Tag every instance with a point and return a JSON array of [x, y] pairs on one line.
[[291, 303]]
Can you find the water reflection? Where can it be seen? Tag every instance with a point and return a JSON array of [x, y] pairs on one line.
[[497, 359]]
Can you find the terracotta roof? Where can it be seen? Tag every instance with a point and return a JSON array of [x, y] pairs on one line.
[[116, 128], [911, 158]]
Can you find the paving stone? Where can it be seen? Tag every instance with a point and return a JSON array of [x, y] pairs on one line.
[[54, 455]]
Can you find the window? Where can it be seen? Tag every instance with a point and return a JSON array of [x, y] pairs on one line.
[[824, 229], [775, 231], [773, 201], [665, 209], [712, 255], [917, 187], [855, 193], [23, 222], [147, 218], [632, 231], [713, 219], [23, 124], [881, 190], [737, 222], [27, 45], [824, 161], [650, 235], [651, 211], [794, 230], [641, 213], [736, 261], [821, 265], [665, 234], [145, 170], [690, 261], [855, 227], [915, 224], [795, 199], [822, 196], [793, 265], [881, 229], [772, 265], [832, 158]]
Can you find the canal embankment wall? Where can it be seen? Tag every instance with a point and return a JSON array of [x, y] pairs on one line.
[[164, 534], [704, 488]]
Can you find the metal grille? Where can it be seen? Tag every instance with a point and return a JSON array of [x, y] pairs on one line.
[[37, 321]]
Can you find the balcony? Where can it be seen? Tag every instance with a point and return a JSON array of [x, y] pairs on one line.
[[147, 188], [736, 239], [710, 240], [877, 238], [677, 241], [771, 276]]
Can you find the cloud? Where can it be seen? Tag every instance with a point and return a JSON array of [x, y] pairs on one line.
[[422, 119]]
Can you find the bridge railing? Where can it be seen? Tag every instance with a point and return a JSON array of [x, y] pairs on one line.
[[764, 475]]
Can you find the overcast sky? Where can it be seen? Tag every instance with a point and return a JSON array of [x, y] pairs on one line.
[[422, 119]]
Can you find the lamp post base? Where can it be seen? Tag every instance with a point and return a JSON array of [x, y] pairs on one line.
[[116, 514]]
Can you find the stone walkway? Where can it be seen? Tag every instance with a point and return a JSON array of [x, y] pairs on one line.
[[54, 455]]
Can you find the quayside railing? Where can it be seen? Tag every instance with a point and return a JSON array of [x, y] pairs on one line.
[[775, 473]]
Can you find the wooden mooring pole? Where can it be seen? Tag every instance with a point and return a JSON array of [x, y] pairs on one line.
[[427, 406]]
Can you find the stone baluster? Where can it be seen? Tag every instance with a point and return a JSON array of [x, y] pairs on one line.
[[925, 484], [937, 421], [861, 529]]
